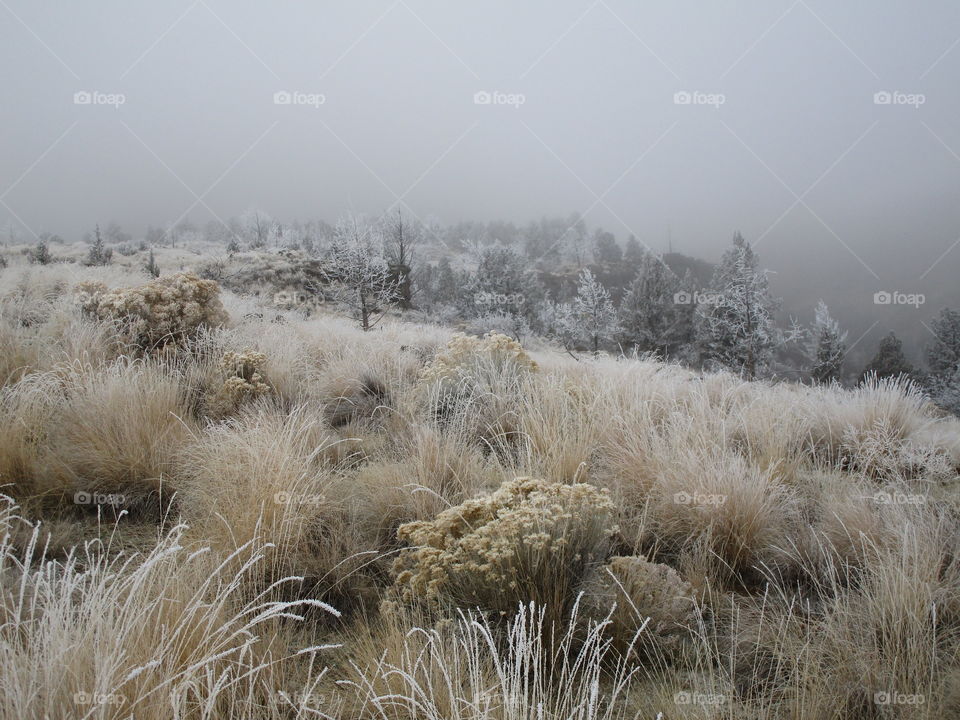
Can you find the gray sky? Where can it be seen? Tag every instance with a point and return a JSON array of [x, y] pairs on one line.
[[785, 109]]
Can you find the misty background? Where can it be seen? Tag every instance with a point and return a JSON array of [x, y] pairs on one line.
[[785, 138]]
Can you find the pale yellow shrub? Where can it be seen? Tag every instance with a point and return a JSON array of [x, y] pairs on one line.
[[243, 380], [87, 295], [530, 540], [465, 357], [168, 309]]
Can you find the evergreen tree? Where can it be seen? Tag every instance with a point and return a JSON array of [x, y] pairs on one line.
[[503, 283], [633, 252], [737, 330], [943, 354], [943, 361], [594, 311], [889, 360], [446, 287], [828, 346], [41, 254], [605, 248], [651, 318], [151, 267], [99, 253]]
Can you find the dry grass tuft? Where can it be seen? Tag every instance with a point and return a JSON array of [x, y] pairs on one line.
[[154, 636]]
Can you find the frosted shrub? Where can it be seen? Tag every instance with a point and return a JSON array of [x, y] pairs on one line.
[[168, 309], [87, 295], [476, 382], [529, 541], [466, 359], [243, 380], [645, 597]]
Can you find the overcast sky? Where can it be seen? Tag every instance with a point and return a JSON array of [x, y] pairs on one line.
[[782, 137]]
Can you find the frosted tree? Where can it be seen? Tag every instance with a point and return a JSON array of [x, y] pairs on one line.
[[503, 283], [402, 237], [255, 227], [594, 311], [151, 267], [357, 270], [99, 253], [943, 354], [446, 283], [606, 249], [943, 361], [633, 252], [889, 360], [562, 324], [946, 390], [736, 328], [827, 346], [651, 317]]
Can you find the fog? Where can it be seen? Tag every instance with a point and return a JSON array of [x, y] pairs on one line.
[[677, 122]]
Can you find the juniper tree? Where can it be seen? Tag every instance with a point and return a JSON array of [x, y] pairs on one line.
[[827, 346], [889, 360], [943, 354], [736, 328], [99, 253], [446, 282], [401, 237], [151, 267], [40, 255], [943, 361], [561, 324], [501, 282], [605, 248], [594, 311], [651, 318], [633, 252]]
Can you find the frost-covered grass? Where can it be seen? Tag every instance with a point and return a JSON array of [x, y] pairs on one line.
[[783, 551]]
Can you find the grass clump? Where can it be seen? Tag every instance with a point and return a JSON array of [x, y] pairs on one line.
[[476, 383]]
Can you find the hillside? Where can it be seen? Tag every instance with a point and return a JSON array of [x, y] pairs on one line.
[[212, 499]]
